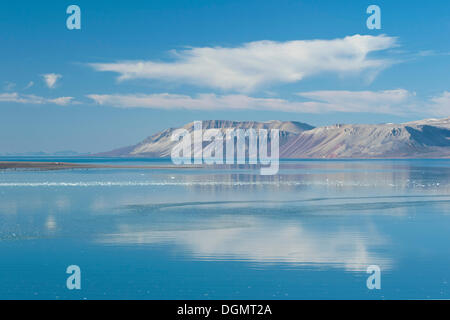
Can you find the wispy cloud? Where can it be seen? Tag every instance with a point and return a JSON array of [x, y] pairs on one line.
[[50, 79], [29, 85], [440, 105], [397, 102], [9, 86], [14, 97], [256, 64]]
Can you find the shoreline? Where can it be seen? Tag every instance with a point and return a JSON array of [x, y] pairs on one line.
[[6, 165], [54, 165]]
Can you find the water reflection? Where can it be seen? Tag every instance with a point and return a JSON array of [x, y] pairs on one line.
[[264, 240], [335, 232], [314, 213]]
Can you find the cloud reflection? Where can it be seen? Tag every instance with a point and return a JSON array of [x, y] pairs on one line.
[[263, 240]]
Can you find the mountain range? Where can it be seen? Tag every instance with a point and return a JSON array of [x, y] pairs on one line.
[[428, 138]]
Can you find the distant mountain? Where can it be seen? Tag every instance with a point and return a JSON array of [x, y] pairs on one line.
[[428, 138], [64, 153], [160, 145]]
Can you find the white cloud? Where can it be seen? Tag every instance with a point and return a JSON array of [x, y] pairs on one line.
[[33, 99], [51, 79], [29, 85], [62, 101], [440, 105], [398, 101], [177, 101], [261, 63]]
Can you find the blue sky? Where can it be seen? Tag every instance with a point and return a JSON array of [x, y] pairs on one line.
[[137, 67]]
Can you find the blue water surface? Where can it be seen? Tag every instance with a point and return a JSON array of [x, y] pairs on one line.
[[223, 233]]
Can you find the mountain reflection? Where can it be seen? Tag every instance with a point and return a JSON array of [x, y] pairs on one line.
[[331, 174]]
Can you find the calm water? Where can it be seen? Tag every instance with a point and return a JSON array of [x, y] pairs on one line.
[[309, 232]]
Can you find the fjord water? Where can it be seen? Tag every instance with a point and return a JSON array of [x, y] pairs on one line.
[[212, 233]]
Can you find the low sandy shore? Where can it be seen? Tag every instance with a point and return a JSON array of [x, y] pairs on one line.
[[67, 165]]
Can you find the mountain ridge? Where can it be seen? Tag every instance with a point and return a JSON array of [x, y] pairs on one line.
[[428, 138]]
